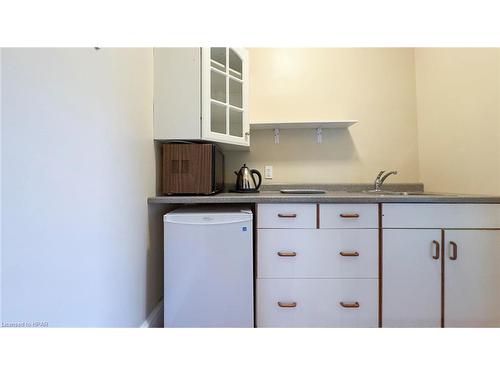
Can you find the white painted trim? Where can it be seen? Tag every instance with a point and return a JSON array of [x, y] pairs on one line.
[[155, 318]]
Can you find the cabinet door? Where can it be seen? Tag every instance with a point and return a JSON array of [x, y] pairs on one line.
[[177, 96], [472, 278], [411, 288], [225, 95]]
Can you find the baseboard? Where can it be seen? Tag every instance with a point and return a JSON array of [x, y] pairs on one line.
[[155, 318]]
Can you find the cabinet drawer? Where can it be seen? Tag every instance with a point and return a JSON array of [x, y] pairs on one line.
[[460, 215], [348, 216], [317, 303], [317, 253], [286, 216]]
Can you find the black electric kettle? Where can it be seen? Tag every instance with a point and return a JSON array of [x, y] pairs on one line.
[[245, 181]]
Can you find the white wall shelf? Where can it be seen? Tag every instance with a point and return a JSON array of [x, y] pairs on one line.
[[317, 125]]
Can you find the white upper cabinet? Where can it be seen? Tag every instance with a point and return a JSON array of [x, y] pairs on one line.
[[202, 94], [225, 95]]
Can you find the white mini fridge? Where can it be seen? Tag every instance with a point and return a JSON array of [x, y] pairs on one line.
[[208, 267]]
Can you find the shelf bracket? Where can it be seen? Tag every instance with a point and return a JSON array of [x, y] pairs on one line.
[[319, 135], [276, 136]]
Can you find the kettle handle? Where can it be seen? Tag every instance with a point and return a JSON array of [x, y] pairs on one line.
[[255, 171]]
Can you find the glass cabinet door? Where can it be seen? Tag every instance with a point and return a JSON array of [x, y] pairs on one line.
[[235, 94], [224, 109]]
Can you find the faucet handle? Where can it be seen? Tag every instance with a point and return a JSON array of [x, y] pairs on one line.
[[380, 174]]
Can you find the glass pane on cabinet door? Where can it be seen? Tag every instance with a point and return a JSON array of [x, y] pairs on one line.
[[235, 122], [217, 86], [218, 58], [218, 118], [235, 65], [235, 93]]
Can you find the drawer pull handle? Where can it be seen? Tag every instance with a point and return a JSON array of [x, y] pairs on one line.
[[454, 250], [287, 253], [437, 248], [287, 304], [288, 216], [353, 305], [349, 253], [349, 216]]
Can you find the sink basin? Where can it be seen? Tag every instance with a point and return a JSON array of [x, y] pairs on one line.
[[387, 192]]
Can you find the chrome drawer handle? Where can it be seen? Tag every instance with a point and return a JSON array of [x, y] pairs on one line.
[[353, 305], [287, 215], [287, 304], [349, 253], [349, 216], [287, 253]]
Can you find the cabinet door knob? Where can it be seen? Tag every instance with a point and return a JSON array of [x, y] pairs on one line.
[[437, 248], [349, 253], [287, 253], [349, 216], [287, 304], [287, 215], [352, 305], [454, 250]]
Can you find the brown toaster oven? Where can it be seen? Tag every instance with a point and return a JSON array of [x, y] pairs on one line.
[[192, 168]]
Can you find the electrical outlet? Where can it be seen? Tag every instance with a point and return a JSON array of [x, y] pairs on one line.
[[268, 171]]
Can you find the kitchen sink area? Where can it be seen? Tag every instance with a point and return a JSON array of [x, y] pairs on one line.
[[369, 192], [400, 193]]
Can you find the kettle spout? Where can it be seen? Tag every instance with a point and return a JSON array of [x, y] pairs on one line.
[[236, 173]]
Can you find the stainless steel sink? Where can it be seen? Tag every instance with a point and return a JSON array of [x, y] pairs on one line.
[[388, 192]]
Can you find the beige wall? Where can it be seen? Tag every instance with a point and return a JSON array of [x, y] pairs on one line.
[[458, 106], [374, 86]]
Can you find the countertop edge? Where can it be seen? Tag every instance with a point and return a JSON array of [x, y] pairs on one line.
[[254, 198]]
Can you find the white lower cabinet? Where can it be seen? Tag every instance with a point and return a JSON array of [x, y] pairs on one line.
[[317, 266], [472, 278], [317, 302], [458, 286], [411, 281]]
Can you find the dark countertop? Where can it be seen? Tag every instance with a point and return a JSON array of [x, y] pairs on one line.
[[332, 195]]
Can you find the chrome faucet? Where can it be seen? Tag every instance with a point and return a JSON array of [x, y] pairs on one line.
[[381, 177]]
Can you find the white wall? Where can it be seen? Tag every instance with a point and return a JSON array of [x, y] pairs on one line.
[[77, 168], [373, 85], [458, 102]]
